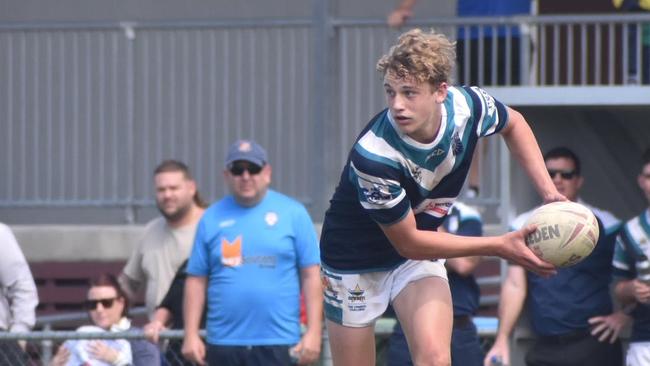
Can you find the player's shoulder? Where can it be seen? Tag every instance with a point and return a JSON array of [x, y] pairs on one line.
[[610, 222], [520, 220], [284, 201]]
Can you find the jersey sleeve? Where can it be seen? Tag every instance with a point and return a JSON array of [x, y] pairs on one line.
[[199, 261], [377, 181], [306, 241], [490, 114], [623, 261]]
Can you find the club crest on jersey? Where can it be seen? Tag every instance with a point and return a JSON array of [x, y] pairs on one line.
[[376, 194], [456, 144], [271, 218]]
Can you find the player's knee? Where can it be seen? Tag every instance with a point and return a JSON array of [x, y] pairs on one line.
[[432, 358]]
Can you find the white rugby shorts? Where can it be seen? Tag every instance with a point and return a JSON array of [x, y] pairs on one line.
[[638, 354], [358, 299]]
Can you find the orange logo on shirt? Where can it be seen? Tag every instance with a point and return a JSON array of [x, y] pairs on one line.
[[231, 252]]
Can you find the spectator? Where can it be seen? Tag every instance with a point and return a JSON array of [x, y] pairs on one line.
[[169, 314], [107, 306], [632, 273], [18, 297], [167, 240], [468, 46], [253, 252], [465, 343], [571, 313], [637, 72]]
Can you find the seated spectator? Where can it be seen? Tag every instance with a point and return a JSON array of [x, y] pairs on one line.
[[108, 307]]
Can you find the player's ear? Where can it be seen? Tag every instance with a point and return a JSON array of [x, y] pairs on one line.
[[441, 92]]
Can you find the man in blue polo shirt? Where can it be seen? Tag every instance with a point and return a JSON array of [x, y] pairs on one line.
[[465, 293], [570, 313], [254, 250]]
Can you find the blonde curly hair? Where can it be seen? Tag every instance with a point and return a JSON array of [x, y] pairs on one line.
[[423, 56]]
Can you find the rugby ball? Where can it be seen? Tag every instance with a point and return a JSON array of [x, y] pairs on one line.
[[567, 232]]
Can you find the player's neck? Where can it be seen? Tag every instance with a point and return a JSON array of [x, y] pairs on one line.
[[429, 131]]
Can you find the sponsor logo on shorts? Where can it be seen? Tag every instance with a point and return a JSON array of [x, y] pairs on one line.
[[356, 299]]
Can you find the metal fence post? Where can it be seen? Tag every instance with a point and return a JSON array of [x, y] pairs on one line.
[[46, 346]]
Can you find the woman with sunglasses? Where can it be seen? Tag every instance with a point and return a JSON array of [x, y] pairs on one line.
[[107, 306]]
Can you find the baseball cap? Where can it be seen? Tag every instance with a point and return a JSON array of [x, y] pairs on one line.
[[247, 150]]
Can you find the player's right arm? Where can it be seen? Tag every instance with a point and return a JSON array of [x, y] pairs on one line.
[[523, 146], [423, 244], [193, 303], [512, 297]]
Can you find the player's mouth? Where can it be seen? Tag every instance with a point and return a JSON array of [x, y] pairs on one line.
[[402, 120]]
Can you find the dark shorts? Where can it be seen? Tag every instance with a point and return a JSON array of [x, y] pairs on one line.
[[11, 354], [465, 345], [575, 348], [248, 355]]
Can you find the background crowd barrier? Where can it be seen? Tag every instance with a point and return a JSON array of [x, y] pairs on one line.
[[41, 346]]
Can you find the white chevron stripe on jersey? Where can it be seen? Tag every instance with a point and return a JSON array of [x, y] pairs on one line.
[[428, 179]]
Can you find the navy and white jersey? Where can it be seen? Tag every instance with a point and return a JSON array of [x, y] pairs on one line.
[[564, 303], [389, 174], [465, 292], [632, 243]]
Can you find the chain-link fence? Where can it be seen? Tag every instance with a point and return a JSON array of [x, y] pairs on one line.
[[39, 348]]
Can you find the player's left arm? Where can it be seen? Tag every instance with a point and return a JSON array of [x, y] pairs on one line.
[[310, 345], [522, 144]]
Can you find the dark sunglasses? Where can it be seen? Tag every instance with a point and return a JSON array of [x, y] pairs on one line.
[[106, 303], [239, 169], [564, 174]]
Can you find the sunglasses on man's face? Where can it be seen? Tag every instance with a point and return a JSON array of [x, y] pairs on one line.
[[106, 303], [239, 169], [563, 173]]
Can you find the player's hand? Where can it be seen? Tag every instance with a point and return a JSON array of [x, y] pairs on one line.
[[152, 330], [101, 351], [515, 249], [555, 197], [308, 349], [194, 349], [499, 351], [641, 291], [61, 357], [608, 327], [398, 17]]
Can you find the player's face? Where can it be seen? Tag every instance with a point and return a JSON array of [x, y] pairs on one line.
[[415, 107], [644, 181], [248, 182], [174, 195], [565, 178], [104, 316]]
